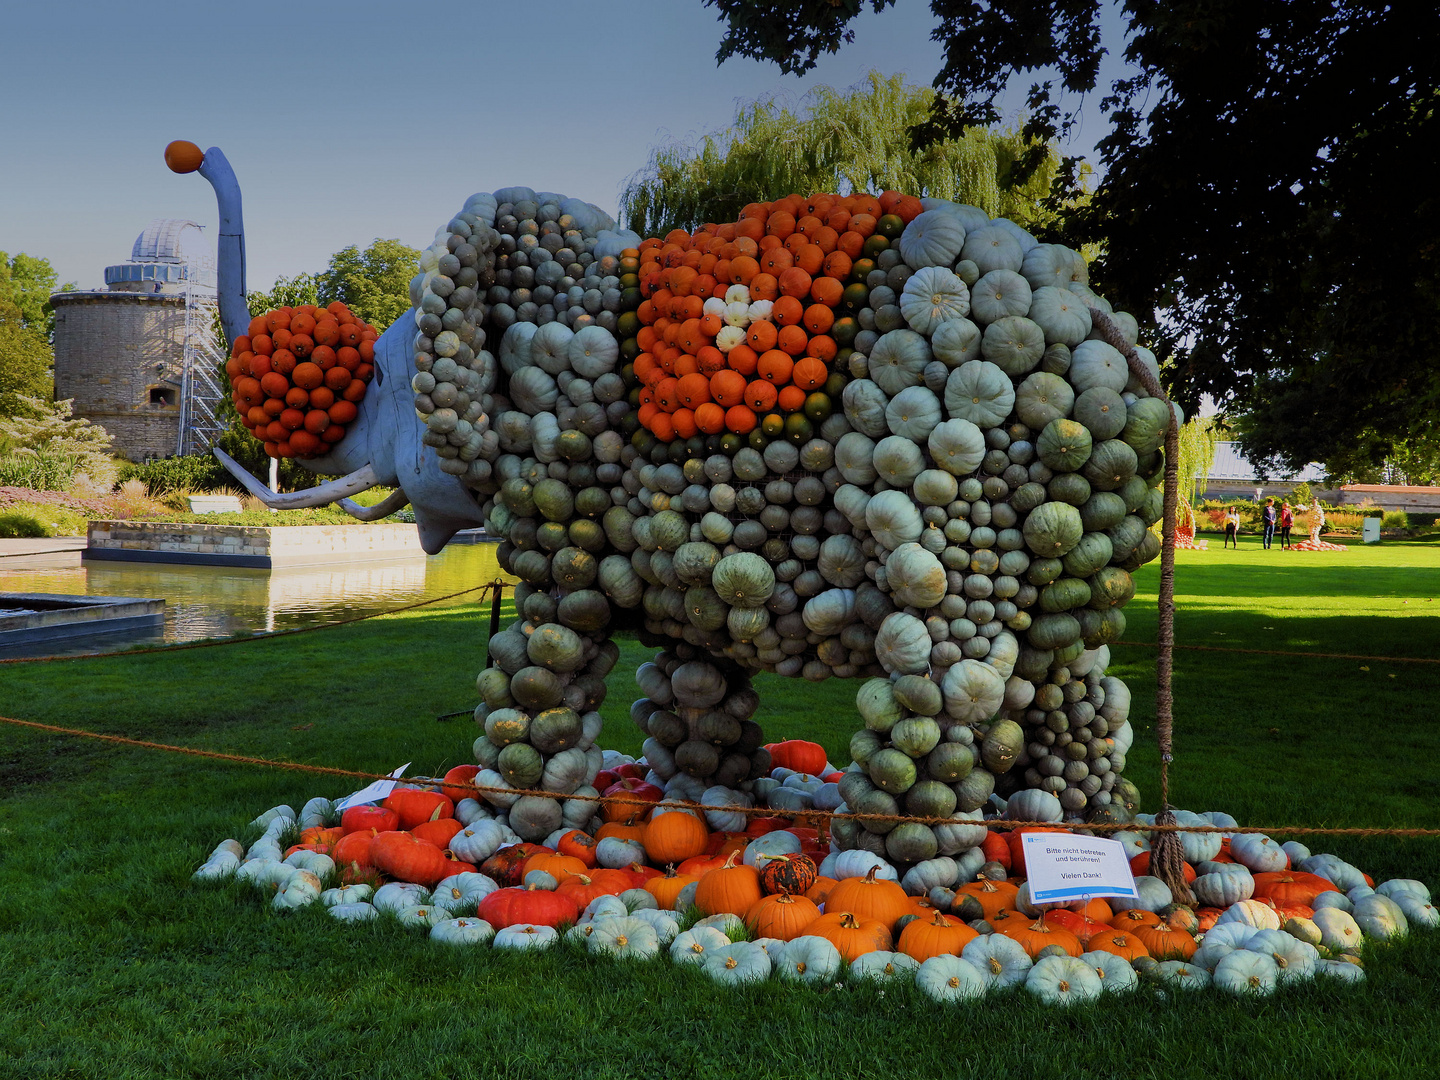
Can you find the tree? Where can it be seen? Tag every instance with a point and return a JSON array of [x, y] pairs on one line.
[[851, 140], [26, 282], [27, 361], [1265, 209], [374, 283]]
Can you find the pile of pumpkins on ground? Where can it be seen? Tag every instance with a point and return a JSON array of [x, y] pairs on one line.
[[777, 899]]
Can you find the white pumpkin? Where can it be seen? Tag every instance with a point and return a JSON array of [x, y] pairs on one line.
[[1001, 960], [955, 342], [1063, 980], [933, 238], [913, 413], [358, 911], [957, 446], [526, 936], [998, 294], [1245, 973], [1116, 974], [466, 931], [949, 979], [301, 889], [931, 296], [993, 248], [626, 938], [898, 360], [692, 946], [737, 963], [973, 691], [807, 959], [979, 392], [882, 966]]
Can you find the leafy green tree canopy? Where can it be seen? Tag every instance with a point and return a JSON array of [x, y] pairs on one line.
[[27, 361], [374, 283], [850, 140], [1264, 206]]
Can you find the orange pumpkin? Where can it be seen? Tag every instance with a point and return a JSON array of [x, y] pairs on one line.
[[781, 916], [1167, 942], [415, 805], [408, 858], [353, 848], [582, 888], [439, 832], [1037, 935], [1134, 919], [993, 897], [578, 844], [674, 836], [318, 834], [941, 935], [820, 891], [1119, 943], [559, 867], [870, 898], [1140, 866], [459, 781], [732, 889], [1285, 886], [667, 889], [1076, 923], [851, 935], [622, 830]]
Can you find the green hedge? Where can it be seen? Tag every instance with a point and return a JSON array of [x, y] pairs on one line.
[[196, 472]]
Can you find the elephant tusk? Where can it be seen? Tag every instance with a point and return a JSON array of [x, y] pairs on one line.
[[362, 479], [384, 508]]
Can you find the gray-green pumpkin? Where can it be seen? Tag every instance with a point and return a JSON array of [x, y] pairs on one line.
[[1052, 529], [743, 579], [915, 736], [877, 705], [1064, 445], [555, 647], [555, 729], [891, 770], [521, 765]]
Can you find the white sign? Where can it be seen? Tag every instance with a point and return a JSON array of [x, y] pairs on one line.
[[374, 793], [1063, 867]]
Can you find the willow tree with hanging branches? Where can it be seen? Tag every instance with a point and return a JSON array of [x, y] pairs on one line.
[[1195, 460], [837, 140]]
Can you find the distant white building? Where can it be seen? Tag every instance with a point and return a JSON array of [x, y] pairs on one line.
[[1232, 467]]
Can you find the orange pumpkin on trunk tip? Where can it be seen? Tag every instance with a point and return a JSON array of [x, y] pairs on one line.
[[183, 157]]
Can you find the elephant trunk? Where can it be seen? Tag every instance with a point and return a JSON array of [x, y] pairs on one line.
[[230, 249]]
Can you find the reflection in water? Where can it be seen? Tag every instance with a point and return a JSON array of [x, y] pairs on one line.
[[209, 602]]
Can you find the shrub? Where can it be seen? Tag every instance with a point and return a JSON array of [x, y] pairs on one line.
[[192, 473], [1395, 519], [39, 470], [37, 520], [18, 524]]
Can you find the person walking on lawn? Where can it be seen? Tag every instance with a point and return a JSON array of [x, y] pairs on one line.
[[1232, 529], [1287, 522], [1268, 517]]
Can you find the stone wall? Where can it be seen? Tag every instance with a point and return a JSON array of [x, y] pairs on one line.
[[112, 349], [249, 545]]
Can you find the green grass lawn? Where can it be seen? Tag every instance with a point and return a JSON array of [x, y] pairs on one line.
[[115, 964]]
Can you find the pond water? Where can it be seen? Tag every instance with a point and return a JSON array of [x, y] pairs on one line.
[[209, 602]]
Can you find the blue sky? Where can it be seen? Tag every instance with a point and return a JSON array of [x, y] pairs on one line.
[[348, 121]]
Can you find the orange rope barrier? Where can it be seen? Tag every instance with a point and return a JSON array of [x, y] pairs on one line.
[[747, 811]]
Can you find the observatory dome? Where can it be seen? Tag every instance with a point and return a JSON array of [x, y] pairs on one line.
[[170, 252]]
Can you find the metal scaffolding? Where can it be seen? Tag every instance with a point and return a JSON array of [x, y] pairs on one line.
[[201, 382]]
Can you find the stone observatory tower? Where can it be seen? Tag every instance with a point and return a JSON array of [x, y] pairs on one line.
[[140, 358]]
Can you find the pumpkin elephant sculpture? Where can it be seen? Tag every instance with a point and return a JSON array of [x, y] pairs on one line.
[[951, 513]]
